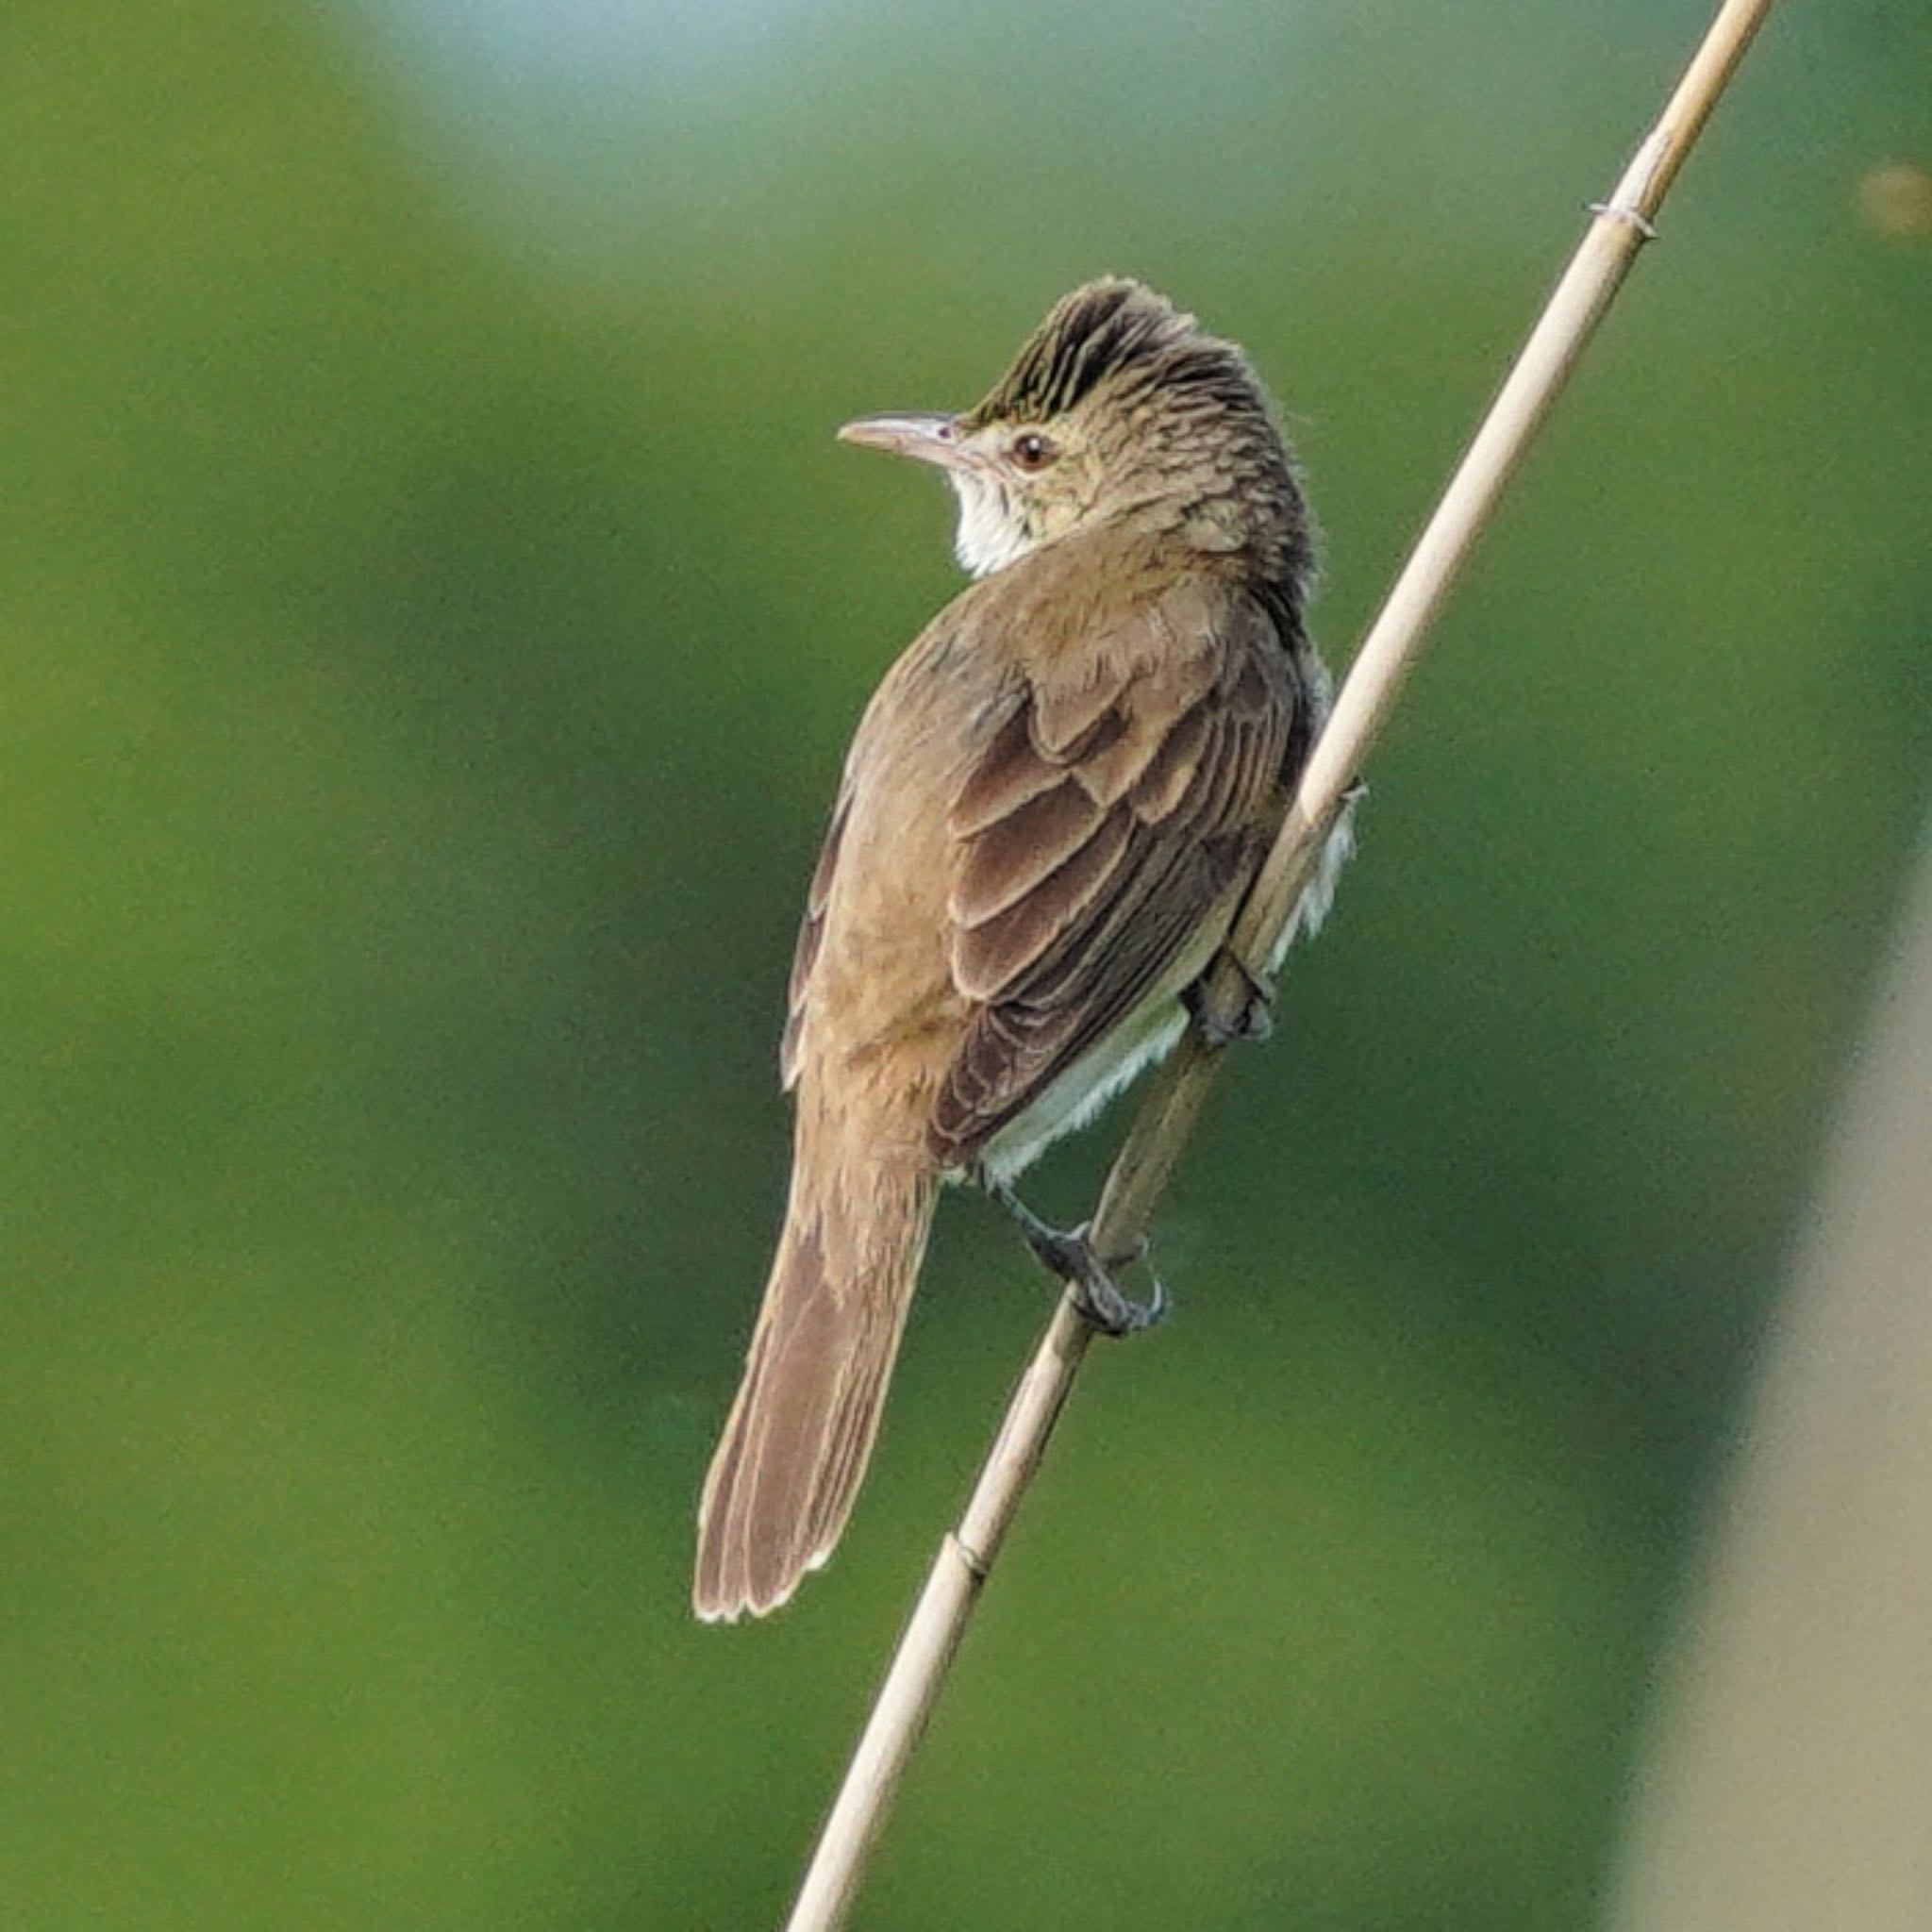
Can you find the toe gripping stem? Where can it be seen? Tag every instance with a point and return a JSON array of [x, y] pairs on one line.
[[1070, 1255], [1249, 1018]]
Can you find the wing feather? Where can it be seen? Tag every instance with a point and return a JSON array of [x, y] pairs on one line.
[[990, 952], [1015, 856]]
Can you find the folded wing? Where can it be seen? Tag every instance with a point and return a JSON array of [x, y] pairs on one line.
[[1112, 812]]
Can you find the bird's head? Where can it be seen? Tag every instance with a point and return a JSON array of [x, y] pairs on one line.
[[1117, 408]]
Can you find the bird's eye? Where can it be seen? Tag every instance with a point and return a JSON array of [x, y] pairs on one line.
[[1032, 451]]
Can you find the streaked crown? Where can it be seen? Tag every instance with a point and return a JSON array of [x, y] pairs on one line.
[[1120, 336]]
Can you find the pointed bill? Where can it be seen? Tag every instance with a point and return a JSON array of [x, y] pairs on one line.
[[930, 437]]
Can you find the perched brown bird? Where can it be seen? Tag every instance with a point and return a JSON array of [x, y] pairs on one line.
[[1050, 813]]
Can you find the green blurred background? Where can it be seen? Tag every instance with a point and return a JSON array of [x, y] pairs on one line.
[[434, 610]]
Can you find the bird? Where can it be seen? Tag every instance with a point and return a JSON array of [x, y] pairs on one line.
[[1051, 810]]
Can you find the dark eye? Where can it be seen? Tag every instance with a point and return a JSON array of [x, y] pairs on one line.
[[1032, 451]]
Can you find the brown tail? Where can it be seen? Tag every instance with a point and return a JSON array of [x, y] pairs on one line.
[[795, 1446]]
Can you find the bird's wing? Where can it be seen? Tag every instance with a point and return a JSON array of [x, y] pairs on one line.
[[1117, 804]]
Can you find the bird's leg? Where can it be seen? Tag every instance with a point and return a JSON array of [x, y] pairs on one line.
[[1067, 1253], [1249, 1017]]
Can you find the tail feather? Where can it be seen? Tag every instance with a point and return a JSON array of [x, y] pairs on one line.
[[795, 1446]]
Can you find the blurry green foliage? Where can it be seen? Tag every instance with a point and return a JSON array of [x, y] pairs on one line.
[[434, 610]]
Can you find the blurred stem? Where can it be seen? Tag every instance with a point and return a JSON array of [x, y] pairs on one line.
[[1166, 1120], [1786, 1781]]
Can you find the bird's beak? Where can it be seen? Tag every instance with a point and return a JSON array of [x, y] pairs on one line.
[[930, 438]]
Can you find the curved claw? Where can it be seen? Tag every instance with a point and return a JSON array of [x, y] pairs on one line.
[[1100, 1298], [1120, 1314]]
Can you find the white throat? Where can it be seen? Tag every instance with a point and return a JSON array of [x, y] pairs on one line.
[[990, 536]]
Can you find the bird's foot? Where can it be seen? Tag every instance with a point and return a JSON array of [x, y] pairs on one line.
[[1246, 1020], [1069, 1254], [1100, 1297]]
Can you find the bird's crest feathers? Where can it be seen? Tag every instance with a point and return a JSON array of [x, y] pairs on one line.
[[1110, 331]]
